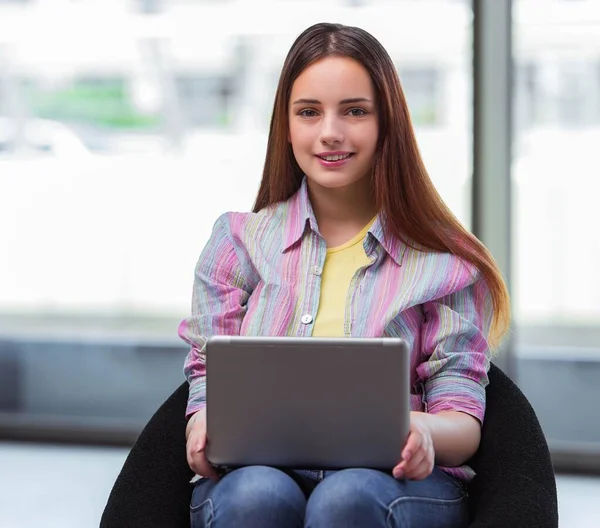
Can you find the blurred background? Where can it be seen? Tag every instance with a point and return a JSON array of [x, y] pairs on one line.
[[128, 126]]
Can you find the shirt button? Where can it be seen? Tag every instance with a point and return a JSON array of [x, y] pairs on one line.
[[317, 270], [307, 319]]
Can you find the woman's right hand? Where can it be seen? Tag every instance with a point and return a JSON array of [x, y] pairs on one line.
[[195, 434]]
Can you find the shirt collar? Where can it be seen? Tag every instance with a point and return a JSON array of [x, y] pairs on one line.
[[394, 247], [300, 213]]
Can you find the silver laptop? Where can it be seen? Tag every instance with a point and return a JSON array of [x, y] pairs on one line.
[[307, 403]]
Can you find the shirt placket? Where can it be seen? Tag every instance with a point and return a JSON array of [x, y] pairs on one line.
[[356, 285], [315, 254]]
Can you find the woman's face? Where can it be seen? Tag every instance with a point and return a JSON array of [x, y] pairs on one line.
[[333, 122]]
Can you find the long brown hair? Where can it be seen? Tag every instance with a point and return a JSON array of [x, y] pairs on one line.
[[412, 209]]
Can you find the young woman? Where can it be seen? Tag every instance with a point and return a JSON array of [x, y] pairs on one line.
[[348, 237]]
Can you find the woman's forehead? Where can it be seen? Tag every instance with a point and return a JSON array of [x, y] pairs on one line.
[[333, 78]]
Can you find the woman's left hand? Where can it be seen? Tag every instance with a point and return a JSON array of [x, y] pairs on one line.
[[418, 455]]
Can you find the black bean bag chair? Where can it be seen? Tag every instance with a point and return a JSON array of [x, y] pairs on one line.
[[515, 485]]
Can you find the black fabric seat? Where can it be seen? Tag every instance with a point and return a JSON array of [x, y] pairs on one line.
[[515, 485]]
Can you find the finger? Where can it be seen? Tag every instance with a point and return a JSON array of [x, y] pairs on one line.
[[425, 471], [415, 464], [204, 468], [190, 462], [407, 467], [398, 472], [195, 463], [197, 439], [414, 470], [412, 445], [190, 452], [422, 475], [195, 447], [199, 443], [417, 456]]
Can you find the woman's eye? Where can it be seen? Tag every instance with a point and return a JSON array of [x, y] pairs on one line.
[[357, 112], [307, 112]]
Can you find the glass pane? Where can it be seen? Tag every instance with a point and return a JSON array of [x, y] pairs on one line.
[[555, 169], [128, 126], [556, 239]]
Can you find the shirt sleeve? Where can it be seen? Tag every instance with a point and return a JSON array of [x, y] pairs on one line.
[[454, 333], [218, 306]]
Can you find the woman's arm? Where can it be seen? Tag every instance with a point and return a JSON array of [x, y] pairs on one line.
[[221, 290], [455, 436], [449, 438], [452, 378]]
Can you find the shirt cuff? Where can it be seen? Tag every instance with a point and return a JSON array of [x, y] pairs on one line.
[[193, 408], [455, 393]]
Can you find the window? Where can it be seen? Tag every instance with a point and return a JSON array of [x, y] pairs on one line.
[[526, 94], [205, 100], [577, 93], [139, 138], [422, 88], [556, 242], [101, 101]]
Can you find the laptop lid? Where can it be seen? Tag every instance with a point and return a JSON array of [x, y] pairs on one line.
[[307, 403]]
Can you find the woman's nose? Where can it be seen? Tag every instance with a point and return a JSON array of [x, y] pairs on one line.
[[331, 131]]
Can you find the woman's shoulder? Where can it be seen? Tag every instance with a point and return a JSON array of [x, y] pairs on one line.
[[418, 252], [446, 270], [238, 223]]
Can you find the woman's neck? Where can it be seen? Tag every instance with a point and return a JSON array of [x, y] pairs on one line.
[[343, 212]]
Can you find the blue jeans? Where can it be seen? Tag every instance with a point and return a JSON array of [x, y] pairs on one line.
[[259, 496]]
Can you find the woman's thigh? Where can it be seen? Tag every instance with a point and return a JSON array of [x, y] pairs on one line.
[[254, 496], [370, 498]]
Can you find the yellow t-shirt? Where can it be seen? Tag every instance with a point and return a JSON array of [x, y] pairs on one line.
[[341, 263]]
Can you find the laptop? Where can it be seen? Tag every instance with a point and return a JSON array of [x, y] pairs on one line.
[[307, 403]]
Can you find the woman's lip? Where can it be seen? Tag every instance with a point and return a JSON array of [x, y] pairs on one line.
[[335, 164], [334, 153]]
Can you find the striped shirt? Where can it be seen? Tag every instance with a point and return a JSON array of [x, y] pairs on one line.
[[260, 275]]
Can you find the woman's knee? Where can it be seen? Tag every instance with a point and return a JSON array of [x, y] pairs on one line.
[[256, 493], [253, 485], [364, 497], [348, 495]]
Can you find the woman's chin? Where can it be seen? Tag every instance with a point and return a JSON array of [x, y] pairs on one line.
[[331, 179]]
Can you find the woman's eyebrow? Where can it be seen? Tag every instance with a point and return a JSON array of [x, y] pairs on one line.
[[352, 100]]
